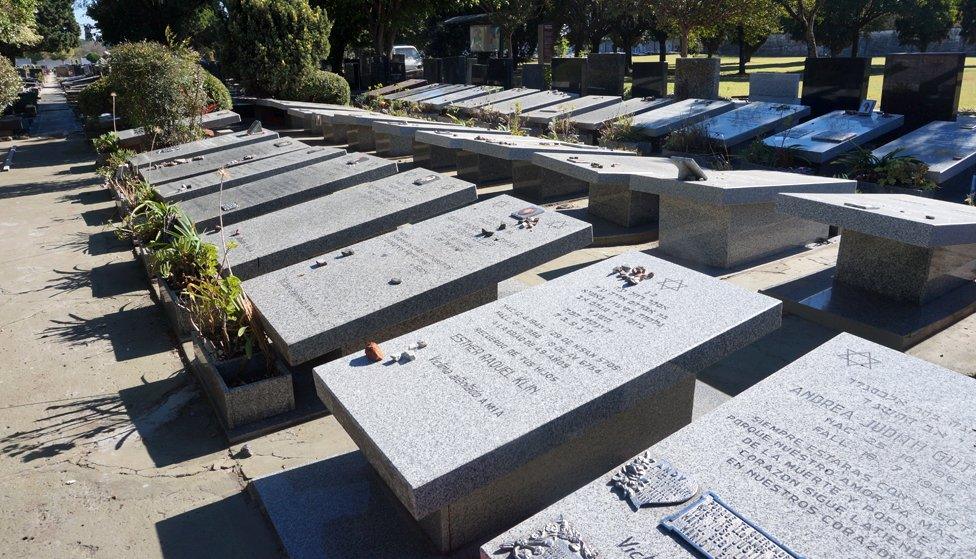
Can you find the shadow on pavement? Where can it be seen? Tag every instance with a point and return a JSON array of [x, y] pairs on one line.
[[133, 332]]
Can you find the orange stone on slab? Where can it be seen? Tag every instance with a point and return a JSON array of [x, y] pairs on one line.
[[373, 352]]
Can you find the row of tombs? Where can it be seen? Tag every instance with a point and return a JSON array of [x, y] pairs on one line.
[[555, 421]]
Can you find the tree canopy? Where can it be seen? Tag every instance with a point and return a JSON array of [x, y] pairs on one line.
[[57, 27]]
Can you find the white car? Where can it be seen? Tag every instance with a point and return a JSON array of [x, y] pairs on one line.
[[411, 55]]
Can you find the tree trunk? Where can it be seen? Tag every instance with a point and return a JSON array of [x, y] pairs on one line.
[[628, 47], [742, 50], [684, 43], [855, 43], [662, 46], [811, 40], [337, 52]]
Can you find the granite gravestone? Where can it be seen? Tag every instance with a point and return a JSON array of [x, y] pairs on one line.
[[697, 78], [905, 269], [135, 137], [468, 106], [286, 237], [526, 103], [246, 172], [534, 76], [518, 402], [477, 73], [594, 120], [729, 219], [285, 189], [183, 169], [650, 79], [393, 88], [773, 87], [662, 121], [545, 115], [605, 74], [948, 148], [568, 74], [546, 44], [442, 102], [501, 72], [199, 147], [752, 120], [825, 138], [405, 279], [835, 84], [923, 87], [852, 451], [351, 70], [454, 69], [432, 70], [396, 139]]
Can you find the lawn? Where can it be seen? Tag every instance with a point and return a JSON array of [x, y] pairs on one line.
[[735, 85]]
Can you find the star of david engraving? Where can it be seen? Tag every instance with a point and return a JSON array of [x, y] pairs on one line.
[[860, 359], [672, 284]]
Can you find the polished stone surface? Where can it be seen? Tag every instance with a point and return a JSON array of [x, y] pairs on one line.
[[948, 148], [199, 147], [605, 73], [835, 84], [303, 231], [826, 137], [774, 87], [850, 450], [527, 103], [534, 75], [310, 309], [519, 401], [568, 74], [281, 190], [737, 187], [650, 79], [405, 93], [444, 101], [437, 92], [399, 86], [753, 120], [661, 122], [923, 86], [468, 105], [158, 175], [594, 120], [211, 121], [566, 109]]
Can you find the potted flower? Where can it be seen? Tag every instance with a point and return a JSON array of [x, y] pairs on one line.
[[891, 173], [620, 134], [179, 258], [233, 359], [694, 141]]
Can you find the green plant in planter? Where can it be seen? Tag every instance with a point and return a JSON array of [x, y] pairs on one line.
[[694, 139], [561, 130], [454, 114], [515, 123], [621, 130], [106, 143], [115, 160], [892, 169], [759, 153], [147, 221], [181, 257]]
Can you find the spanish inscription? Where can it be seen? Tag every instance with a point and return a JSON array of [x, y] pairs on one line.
[[650, 481]]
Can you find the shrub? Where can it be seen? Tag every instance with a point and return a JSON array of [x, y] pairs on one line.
[[320, 86], [159, 89], [892, 169], [96, 99], [93, 57], [218, 96], [181, 257], [10, 84], [621, 130], [106, 143], [694, 139], [271, 45]]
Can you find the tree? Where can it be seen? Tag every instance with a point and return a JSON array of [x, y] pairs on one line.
[[9, 84], [349, 27], [57, 26], [273, 46], [631, 20], [119, 21], [967, 20], [512, 16], [388, 17], [688, 16], [18, 26], [589, 22], [922, 22], [804, 13]]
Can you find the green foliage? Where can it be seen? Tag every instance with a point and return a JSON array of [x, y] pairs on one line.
[[115, 159], [10, 84], [121, 21], [96, 99], [93, 57], [781, 157], [57, 25], [180, 256], [106, 143], [621, 130], [561, 130], [147, 221], [18, 26], [272, 45], [516, 124], [892, 169], [218, 97], [694, 139], [160, 89], [967, 20], [923, 22], [320, 86], [217, 309]]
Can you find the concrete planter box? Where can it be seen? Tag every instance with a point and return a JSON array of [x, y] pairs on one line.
[[874, 188], [240, 405], [145, 257], [179, 318]]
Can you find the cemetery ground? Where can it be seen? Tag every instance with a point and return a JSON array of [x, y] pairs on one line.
[[108, 447], [734, 85]]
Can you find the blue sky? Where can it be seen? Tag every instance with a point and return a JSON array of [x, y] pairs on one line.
[[82, 18]]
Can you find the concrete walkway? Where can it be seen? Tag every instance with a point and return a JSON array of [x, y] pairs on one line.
[[108, 449]]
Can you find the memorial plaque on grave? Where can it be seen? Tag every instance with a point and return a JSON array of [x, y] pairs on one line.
[[546, 44], [159, 175], [478, 74], [834, 84], [650, 79], [605, 74], [286, 237], [567, 74], [924, 87], [534, 76], [454, 69], [516, 401], [501, 72], [852, 451], [311, 309]]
